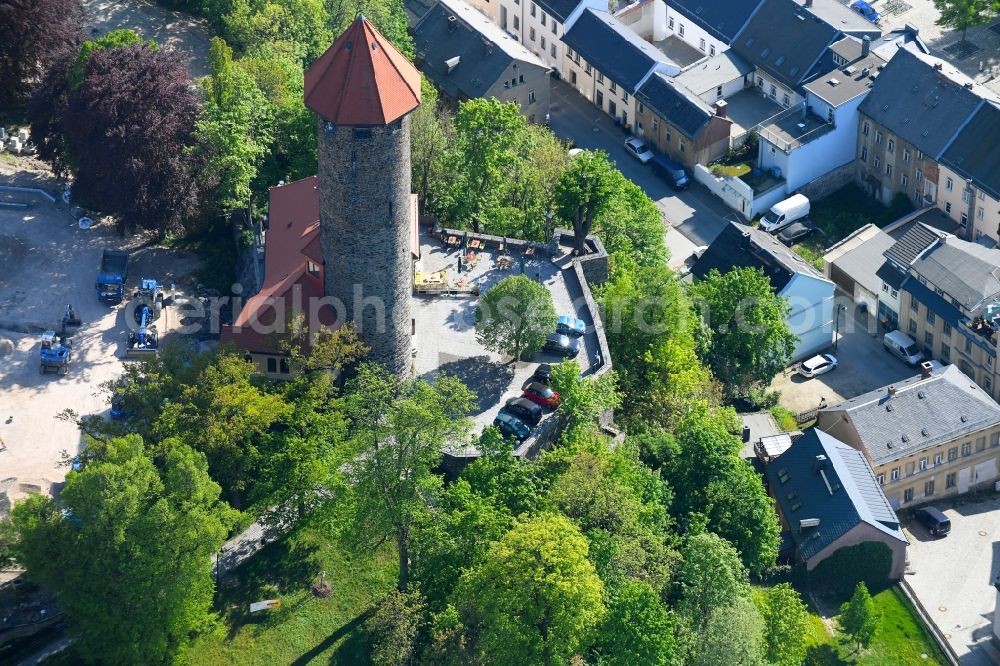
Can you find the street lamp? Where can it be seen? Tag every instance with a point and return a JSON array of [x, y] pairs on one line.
[[836, 334], [548, 225]]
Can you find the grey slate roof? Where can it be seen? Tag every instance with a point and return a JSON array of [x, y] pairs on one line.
[[843, 496], [915, 241], [924, 106], [785, 40], [742, 246], [722, 19], [612, 48], [973, 154], [561, 9], [888, 274], [842, 84], [684, 110], [945, 406], [964, 271], [436, 41], [862, 262], [713, 72]]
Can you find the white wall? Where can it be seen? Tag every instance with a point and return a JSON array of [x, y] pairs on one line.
[[738, 195], [765, 82], [489, 7], [811, 317], [648, 19], [693, 33], [553, 51]]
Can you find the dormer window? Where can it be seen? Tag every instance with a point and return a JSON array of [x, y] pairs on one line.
[[312, 268]]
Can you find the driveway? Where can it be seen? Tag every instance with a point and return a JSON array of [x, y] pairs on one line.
[[953, 577], [863, 365], [694, 212]]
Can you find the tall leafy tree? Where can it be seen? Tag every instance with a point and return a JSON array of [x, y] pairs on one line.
[[234, 130], [637, 629], [631, 224], [398, 430], [33, 34], [535, 598], [515, 316], [710, 577], [584, 193], [732, 635], [750, 340], [858, 617], [130, 556], [786, 619], [583, 400], [964, 14], [431, 133], [393, 628]]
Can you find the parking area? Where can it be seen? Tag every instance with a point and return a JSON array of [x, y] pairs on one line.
[[863, 365], [953, 577], [46, 261]]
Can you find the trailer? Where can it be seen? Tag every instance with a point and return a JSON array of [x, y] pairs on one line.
[[112, 275]]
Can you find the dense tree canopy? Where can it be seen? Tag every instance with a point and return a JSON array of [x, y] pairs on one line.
[[130, 555], [750, 341], [584, 193], [34, 34], [515, 316]]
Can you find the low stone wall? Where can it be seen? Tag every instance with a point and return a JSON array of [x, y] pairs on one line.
[[829, 182]]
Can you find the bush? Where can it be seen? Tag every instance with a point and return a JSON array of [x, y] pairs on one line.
[[784, 417], [867, 563]]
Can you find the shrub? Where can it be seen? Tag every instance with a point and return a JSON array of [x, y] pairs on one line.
[[867, 563]]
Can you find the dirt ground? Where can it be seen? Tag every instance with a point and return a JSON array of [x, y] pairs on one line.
[[188, 35], [46, 261]]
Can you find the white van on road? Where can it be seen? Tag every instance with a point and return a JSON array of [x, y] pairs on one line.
[[903, 347], [783, 213]]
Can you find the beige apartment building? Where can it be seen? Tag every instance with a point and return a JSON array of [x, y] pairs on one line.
[[934, 435]]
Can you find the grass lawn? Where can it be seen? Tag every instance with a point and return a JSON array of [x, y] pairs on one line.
[[305, 629], [901, 638], [735, 170], [841, 213]]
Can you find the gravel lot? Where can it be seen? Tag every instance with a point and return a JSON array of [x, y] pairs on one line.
[[46, 263], [953, 577]]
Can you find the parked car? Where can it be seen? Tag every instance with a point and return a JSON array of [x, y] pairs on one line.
[[794, 233], [542, 395], [638, 149], [903, 347], [783, 213], [866, 10], [525, 410], [543, 373], [562, 345], [818, 365], [570, 326], [934, 520], [670, 171], [511, 426]]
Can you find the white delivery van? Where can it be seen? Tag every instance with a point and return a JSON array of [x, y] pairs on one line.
[[783, 213], [903, 347]]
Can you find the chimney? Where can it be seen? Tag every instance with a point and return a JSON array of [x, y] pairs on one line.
[[819, 463], [809, 3], [926, 368], [452, 63], [892, 391], [865, 72], [746, 434], [720, 108], [452, 22], [938, 66], [866, 46]]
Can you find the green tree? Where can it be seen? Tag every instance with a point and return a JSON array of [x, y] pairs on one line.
[[711, 576], [786, 619], [535, 598], [583, 400], [637, 629], [584, 193], [750, 341], [393, 628], [631, 224], [130, 555], [431, 136], [515, 316], [964, 14], [398, 430], [113, 40], [234, 130], [732, 635], [858, 617]]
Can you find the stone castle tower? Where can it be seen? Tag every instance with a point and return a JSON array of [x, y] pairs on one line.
[[363, 90]]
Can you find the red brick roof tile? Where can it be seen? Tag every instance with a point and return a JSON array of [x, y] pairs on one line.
[[362, 79]]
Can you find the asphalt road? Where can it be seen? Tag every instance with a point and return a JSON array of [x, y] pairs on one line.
[[695, 213]]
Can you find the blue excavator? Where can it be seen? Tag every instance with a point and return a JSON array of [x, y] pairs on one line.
[[145, 341]]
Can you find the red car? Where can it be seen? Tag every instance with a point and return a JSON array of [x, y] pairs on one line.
[[542, 395]]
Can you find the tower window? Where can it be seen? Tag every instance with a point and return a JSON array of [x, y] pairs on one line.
[[362, 133]]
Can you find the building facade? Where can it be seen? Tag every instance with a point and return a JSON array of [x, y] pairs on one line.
[[681, 125], [540, 25]]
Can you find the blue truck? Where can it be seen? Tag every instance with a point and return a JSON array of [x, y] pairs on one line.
[[111, 278]]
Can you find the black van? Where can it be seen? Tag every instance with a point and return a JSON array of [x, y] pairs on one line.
[[670, 171], [936, 522]]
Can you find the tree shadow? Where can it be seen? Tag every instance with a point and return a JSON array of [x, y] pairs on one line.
[[823, 655], [354, 650], [487, 378]]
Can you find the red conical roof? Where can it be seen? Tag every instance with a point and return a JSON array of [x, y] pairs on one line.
[[362, 79]]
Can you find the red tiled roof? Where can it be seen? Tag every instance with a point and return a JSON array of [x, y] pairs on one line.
[[362, 79]]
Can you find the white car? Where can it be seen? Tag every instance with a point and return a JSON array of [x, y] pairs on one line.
[[638, 149], [817, 365]]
